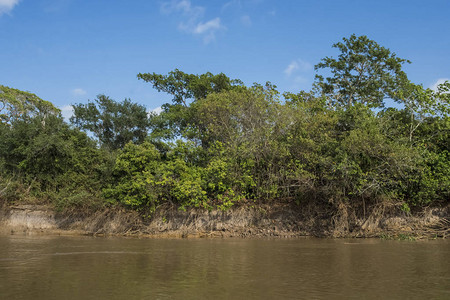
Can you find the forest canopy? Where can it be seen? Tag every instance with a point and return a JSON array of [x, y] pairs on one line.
[[220, 143]]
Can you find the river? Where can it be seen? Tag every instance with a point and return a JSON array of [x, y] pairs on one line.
[[49, 267]]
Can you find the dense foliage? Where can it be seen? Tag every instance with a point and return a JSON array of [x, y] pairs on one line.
[[220, 142]]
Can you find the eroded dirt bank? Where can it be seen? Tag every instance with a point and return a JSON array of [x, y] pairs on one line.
[[281, 220]]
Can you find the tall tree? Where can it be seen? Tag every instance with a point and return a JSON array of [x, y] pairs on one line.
[[364, 72], [16, 104], [179, 118], [113, 123], [184, 87], [421, 104]]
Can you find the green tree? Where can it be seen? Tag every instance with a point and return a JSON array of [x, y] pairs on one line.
[[50, 162], [421, 104], [364, 72], [113, 123], [250, 125], [178, 118], [142, 179], [16, 104], [184, 87], [133, 176]]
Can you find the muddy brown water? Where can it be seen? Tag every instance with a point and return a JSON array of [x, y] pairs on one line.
[[46, 267]]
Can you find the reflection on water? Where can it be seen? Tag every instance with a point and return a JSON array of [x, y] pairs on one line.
[[120, 268]]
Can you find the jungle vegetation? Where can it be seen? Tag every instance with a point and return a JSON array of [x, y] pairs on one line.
[[219, 143]]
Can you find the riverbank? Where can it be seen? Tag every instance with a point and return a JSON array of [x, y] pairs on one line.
[[281, 220]]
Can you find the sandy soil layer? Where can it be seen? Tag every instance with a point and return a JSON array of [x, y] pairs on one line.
[[281, 220]]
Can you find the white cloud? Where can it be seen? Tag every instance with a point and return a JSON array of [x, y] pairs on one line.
[[299, 83], [297, 72], [245, 20], [67, 112], [208, 26], [232, 3], [438, 82], [191, 19], [78, 92], [297, 65], [7, 5], [291, 68], [240, 4], [208, 29], [155, 111], [184, 7]]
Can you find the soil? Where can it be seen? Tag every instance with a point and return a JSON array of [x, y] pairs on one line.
[[285, 220]]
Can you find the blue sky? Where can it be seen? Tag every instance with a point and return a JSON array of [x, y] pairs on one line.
[[69, 51]]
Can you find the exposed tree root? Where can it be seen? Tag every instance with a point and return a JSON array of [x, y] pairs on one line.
[[287, 219]]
